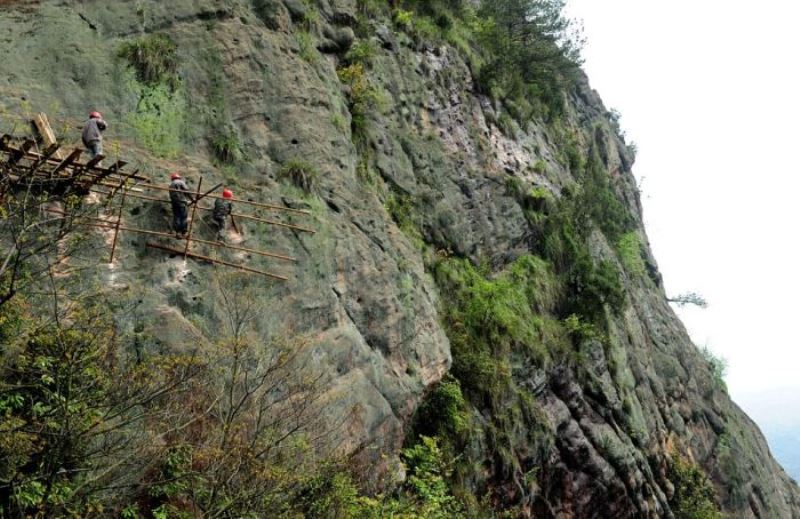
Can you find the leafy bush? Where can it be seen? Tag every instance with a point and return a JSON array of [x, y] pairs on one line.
[[300, 173], [362, 53], [444, 411], [363, 98], [629, 248], [427, 473], [154, 58], [694, 496], [718, 367], [225, 144]]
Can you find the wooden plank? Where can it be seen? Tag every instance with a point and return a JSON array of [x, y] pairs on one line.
[[49, 152], [23, 150], [110, 171], [75, 155], [94, 162], [212, 260], [46, 131]]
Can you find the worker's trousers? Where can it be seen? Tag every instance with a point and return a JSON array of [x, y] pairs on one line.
[[180, 216]]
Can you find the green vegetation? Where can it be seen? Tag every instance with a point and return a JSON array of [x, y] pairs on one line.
[[523, 52], [221, 132], [493, 323], [401, 208], [160, 118], [300, 173], [717, 365], [694, 496], [307, 49], [154, 58], [629, 248]]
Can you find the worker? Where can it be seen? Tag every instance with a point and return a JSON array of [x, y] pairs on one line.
[[180, 197], [93, 134], [223, 207]]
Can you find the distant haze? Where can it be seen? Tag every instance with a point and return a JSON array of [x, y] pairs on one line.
[[710, 93]]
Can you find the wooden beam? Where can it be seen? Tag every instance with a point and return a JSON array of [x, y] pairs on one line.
[[49, 152], [94, 162], [212, 260], [46, 131], [71, 158], [23, 150]]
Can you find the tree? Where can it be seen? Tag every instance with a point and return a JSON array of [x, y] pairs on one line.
[[689, 298]]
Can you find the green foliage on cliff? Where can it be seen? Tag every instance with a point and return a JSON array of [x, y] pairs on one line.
[[155, 59], [522, 52], [694, 496], [629, 248]]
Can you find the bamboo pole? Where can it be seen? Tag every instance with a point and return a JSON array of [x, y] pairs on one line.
[[212, 260], [116, 228], [271, 222], [191, 221], [244, 249]]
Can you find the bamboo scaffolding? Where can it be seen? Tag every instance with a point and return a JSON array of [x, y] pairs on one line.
[[237, 215], [212, 260], [237, 200], [24, 151], [111, 225]]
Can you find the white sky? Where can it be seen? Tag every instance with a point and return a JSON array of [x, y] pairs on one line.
[[709, 90]]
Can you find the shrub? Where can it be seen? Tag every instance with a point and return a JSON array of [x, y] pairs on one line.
[[718, 367], [444, 411], [694, 496], [307, 49], [427, 473], [629, 248], [225, 144], [362, 97], [300, 173], [362, 53], [154, 58]]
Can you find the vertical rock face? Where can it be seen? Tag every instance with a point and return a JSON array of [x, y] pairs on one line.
[[437, 183]]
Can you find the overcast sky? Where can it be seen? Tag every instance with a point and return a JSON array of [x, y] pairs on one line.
[[709, 90]]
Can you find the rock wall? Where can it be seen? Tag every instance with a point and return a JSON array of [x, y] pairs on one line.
[[361, 289]]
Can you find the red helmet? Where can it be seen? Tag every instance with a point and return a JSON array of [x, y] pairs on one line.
[[227, 193], [95, 115], [175, 176]]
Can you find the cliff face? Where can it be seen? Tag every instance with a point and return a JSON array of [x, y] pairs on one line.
[[589, 417]]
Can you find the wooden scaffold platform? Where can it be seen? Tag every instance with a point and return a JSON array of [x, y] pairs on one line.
[[61, 172]]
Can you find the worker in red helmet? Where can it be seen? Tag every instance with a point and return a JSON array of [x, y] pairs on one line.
[[223, 207], [179, 197], [92, 135]]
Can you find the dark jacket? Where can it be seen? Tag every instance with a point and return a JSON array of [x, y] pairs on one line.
[[180, 192], [92, 131], [222, 208]]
